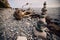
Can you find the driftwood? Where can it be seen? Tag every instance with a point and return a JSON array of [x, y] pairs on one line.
[[19, 14]]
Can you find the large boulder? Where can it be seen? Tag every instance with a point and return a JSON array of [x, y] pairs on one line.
[[4, 4], [21, 38]]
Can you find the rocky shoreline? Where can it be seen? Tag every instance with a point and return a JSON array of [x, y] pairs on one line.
[[24, 27]]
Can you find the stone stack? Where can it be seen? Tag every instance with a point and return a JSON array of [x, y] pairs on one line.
[[44, 9], [39, 31]]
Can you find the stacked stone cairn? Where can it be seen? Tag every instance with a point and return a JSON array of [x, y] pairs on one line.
[[39, 31]]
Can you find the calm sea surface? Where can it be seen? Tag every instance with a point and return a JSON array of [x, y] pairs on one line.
[[52, 12]]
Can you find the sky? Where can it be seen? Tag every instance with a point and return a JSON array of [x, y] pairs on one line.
[[33, 3]]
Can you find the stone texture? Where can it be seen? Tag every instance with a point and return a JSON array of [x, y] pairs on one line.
[[23, 27]]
